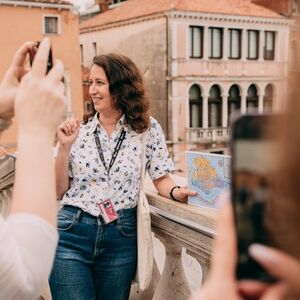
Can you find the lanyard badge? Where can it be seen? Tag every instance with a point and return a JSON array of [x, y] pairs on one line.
[[107, 209], [108, 212]]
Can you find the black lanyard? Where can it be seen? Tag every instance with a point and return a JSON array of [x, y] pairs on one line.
[[115, 153]]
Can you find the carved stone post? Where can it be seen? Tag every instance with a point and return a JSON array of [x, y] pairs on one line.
[[173, 284], [204, 263], [136, 294]]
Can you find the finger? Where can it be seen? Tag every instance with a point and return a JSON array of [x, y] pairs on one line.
[[20, 56], [277, 263], [68, 128], [57, 71], [39, 66], [224, 259], [252, 289], [77, 121]]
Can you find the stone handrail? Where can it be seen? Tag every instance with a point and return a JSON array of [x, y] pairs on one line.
[[177, 225]]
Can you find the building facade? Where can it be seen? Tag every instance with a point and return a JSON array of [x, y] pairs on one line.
[[32, 20], [201, 61]]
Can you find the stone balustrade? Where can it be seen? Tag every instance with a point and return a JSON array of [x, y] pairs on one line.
[[207, 135], [177, 225]]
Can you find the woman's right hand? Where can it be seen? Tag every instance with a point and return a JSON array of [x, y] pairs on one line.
[[67, 131]]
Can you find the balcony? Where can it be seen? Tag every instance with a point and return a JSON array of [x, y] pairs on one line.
[[217, 135], [180, 228]]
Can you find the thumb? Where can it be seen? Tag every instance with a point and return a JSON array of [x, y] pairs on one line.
[[282, 266]]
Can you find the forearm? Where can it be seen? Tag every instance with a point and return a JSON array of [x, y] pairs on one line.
[[61, 170], [164, 185], [34, 190], [27, 257]]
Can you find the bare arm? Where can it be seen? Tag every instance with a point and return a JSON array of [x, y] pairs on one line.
[[164, 185], [39, 107], [28, 235], [61, 171], [67, 133]]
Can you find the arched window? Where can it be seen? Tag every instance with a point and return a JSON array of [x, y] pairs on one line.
[[268, 98], [252, 97], [215, 107], [195, 101], [234, 100]]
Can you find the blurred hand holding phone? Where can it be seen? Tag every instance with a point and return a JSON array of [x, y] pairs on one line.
[[254, 145]]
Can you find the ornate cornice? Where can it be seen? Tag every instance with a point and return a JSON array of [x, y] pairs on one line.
[[280, 21]]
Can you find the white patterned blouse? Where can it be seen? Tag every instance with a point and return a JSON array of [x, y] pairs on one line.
[[89, 182]]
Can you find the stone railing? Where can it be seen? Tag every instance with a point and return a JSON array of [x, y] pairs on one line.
[[177, 226], [207, 135]]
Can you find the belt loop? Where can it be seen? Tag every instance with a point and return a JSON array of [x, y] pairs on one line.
[[78, 214]]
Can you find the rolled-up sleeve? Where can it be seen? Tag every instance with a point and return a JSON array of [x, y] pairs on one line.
[[159, 162], [28, 245]]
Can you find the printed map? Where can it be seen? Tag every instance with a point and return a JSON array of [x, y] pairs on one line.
[[208, 175]]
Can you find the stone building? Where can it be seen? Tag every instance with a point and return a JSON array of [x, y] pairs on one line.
[[201, 60], [32, 20]]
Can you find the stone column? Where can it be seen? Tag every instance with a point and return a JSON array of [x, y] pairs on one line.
[[205, 111], [243, 103], [173, 284], [224, 110], [260, 103]]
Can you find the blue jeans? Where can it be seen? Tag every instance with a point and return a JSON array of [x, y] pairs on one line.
[[94, 260]]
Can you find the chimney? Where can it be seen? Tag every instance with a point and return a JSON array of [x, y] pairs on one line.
[[103, 5]]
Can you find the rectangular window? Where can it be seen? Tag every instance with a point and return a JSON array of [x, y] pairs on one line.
[[95, 48], [81, 54], [51, 25], [196, 41], [269, 48], [215, 42], [253, 44], [235, 43]]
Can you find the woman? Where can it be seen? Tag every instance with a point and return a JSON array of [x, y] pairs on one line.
[[27, 236], [100, 161]]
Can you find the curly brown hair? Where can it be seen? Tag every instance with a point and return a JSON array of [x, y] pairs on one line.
[[126, 88]]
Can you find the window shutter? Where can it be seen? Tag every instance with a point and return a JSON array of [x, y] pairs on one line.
[[197, 42]]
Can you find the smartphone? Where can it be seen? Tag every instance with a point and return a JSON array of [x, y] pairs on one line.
[[32, 54], [253, 147]]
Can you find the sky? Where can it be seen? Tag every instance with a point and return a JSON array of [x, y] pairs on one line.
[[82, 3]]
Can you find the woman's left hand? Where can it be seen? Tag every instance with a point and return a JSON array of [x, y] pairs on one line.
[[181, 194]]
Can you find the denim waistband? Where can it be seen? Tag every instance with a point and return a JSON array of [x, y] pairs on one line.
[[79, 213]]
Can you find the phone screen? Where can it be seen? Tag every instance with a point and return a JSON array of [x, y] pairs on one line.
[[254, 147]]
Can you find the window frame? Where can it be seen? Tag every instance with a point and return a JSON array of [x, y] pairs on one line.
[[257, 44], [273, 46], [230, 43], [191, 41], [58, 17]]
